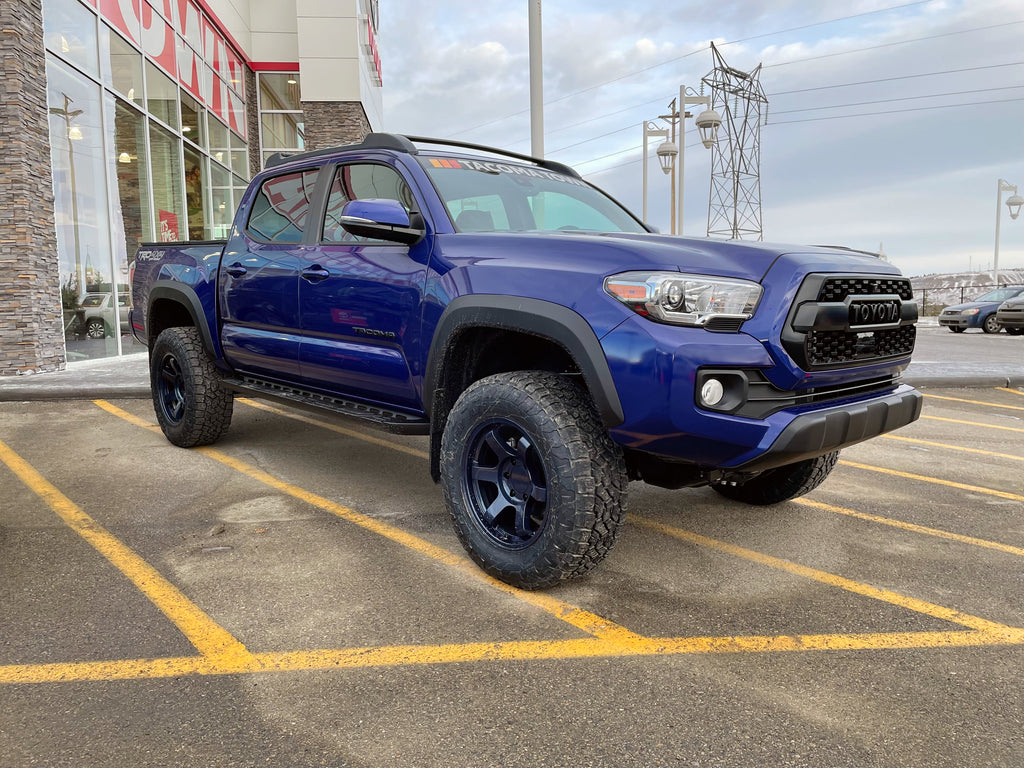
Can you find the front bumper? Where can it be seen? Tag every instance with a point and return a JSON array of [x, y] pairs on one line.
[[1012, 318], [831, 429], [958, 321]]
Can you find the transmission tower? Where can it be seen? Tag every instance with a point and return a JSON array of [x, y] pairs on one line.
[[734, 204]]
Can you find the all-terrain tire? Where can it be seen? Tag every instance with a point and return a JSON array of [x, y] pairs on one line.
[[782, 483], [535, 486], [191, 406]]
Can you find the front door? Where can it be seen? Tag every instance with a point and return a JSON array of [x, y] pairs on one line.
[[361, 299]]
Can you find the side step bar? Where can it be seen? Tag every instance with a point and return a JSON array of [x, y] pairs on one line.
[[378, 417]]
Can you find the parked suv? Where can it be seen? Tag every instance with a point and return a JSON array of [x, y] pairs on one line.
[[979, 313]]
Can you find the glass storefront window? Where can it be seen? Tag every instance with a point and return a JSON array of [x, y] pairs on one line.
[[161, 95], [80, 208], [220, 144], [193, 124], [121, 65], [168, 199], [195, 198], [69, 30], [131, 212], [285, 130], [280, 92], [222, 211], [239, 156]]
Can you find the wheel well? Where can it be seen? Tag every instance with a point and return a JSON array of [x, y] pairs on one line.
[[164, 314], [475, 353]]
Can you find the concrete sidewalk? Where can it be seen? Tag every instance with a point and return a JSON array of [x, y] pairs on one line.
[[128, 377]]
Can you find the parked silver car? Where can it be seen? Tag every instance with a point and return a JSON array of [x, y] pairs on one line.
[[98, 314], [1010, 316]]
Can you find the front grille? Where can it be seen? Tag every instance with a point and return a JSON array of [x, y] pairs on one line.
[[831, 347], [825, 331], [839, 288]]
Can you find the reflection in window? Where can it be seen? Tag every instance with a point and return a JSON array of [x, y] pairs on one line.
[[281, 207], [220, 146], [194, 198], [131, 215], [193, 126], [280, 92], [70, 31], [80, 204], [285, 130], [239, 155], [161, 95], [361, 182], [121, 65], [222, 211], [167, 193]]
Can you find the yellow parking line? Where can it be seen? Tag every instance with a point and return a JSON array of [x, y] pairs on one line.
[[571, 614], [912, 527], [972, 423], [976, 402], [524, 650], [209, 638], [1011, 391], [935, 481], [856, 587], [947, 446]]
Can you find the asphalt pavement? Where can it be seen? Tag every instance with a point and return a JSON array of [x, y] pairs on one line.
[[941, 359]]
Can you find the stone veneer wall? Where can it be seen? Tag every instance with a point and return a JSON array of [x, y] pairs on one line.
[[332, 123], [31, 328]]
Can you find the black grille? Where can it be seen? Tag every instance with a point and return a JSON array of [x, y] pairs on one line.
[[838, 288], [830, 347]]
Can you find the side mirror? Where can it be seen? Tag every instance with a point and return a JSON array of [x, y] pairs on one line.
[[382, 220]]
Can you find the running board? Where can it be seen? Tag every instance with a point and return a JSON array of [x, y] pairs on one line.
[[378, 417]]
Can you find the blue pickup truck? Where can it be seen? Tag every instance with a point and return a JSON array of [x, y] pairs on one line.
[[551, 345]]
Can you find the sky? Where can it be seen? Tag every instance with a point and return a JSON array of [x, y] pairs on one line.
[[889, 123]]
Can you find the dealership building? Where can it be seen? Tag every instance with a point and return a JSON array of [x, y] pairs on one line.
[[130, 121]]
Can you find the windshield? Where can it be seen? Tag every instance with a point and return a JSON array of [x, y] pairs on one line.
[[485, 196], [1001, 294]]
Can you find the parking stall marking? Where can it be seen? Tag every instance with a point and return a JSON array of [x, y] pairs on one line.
[[1010, 550], [1011, 391], [949, 447], [608, 639], [976, 402], [935, 481], [972, 423], [208, 637]]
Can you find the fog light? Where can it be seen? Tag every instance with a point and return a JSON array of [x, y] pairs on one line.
[[712, 392]]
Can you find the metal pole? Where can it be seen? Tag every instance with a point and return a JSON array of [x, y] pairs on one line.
[[645, 174], [536, 82], [682, 147], [999, 205]]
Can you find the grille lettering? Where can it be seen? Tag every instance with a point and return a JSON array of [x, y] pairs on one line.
[[874, 313]]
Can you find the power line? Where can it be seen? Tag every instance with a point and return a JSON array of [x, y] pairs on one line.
[[898, 111], [902, 98], [901, 77], [890, 45], [687, 55]]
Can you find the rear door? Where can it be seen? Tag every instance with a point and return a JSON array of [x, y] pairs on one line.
[[360, 299], [259, 276]]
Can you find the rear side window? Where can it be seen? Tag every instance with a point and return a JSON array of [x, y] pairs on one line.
[[281, 207]]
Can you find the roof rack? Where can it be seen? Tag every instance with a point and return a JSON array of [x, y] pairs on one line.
[[399, 143]]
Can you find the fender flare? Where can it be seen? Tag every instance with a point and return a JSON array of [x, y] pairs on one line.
[[543, 319], [184, 295]]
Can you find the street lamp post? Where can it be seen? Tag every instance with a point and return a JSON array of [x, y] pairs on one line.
[[1013, 203], [666, 155], [707, 122]]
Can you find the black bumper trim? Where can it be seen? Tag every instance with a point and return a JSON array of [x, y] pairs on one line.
[[815, 434]]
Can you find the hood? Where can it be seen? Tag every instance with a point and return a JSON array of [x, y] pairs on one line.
[[972, 305], [608, 253]]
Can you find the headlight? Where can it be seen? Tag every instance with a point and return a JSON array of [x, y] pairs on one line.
[[717, 303], [969, 312]]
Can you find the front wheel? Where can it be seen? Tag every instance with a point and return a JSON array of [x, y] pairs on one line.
[[782, 483], [96, 328], [535, 486], [990, 324], [190, 404], [956, 328]]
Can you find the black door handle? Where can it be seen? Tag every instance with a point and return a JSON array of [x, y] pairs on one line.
[[236, 270]]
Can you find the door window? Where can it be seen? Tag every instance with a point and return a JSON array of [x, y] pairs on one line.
[[362, 182], [281, 207]]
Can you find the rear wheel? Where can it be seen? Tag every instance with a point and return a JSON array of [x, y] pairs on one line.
[[782, 483], [956, 328], [535, 486], [95, 328], [990, 324], [190, 404]]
